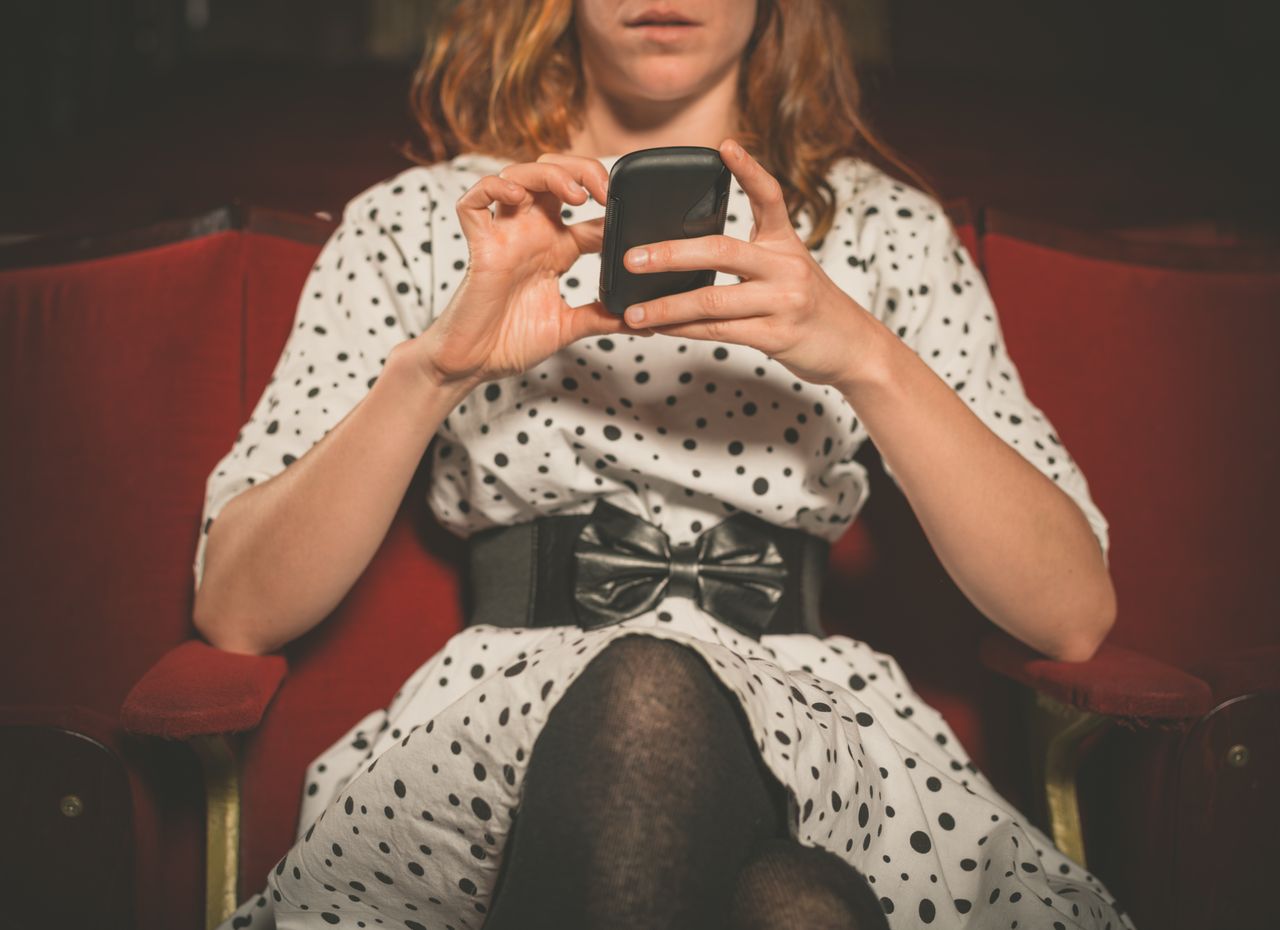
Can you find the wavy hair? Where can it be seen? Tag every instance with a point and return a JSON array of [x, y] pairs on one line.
[[505, 78]]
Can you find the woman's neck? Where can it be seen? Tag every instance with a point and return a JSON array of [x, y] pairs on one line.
[[613, 127]]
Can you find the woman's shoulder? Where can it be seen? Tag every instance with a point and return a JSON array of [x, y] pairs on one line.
[[878, 213], [871, 192]]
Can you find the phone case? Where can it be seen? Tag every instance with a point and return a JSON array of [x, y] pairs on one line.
[[668, 192]]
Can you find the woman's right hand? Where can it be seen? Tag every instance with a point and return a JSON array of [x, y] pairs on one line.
[[507, 314]]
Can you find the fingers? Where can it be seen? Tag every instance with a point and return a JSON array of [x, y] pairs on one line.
[[719, 252], [473, 205], [724, 301], [759, 332], [768, 205], [538, 177], [568, 178], [588, 172]]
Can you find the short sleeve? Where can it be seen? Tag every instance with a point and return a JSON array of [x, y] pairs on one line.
[[369, 289], [945, 313]]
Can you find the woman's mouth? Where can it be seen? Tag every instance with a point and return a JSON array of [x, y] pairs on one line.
[[660, 31], [661, 23]]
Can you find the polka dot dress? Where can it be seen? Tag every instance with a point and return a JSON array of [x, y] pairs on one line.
[[405, 818]]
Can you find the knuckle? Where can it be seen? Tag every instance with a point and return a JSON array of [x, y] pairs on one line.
[[718, 329], [724, 248], [794, 300], [761, 337], [773, 338], [712, 300]]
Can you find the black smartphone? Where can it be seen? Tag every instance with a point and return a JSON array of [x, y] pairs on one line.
[[668, 192]]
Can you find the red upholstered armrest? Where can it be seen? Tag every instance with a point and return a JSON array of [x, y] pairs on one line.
[[197, 690], [1116, 681]]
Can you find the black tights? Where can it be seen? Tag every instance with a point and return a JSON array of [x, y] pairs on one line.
[[646, 806]]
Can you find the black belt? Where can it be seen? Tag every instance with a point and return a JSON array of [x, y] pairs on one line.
[[602, 567]]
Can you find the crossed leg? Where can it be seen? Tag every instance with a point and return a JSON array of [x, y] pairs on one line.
[[646, 805]]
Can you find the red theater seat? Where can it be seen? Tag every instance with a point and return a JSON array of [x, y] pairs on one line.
[[119, 378], [129, 370], [1158, 360]]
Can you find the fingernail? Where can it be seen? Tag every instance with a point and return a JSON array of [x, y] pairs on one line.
[[638, 258], [635, 314], [577, 188]]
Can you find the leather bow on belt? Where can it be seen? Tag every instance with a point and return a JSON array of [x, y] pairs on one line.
[[625, 565]]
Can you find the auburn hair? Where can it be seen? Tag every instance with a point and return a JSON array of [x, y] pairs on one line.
[[505, 78]]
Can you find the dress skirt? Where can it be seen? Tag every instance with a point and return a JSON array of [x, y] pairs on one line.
[[405, 818]]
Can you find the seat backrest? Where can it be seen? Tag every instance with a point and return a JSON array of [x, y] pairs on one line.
[[120, 360], [119, 380], [1158, 362]]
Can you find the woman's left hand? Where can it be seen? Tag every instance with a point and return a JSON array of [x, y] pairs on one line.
[[786, 306]]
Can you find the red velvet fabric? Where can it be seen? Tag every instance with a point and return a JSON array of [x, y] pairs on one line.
[[1163, 385], [119, 383], [197, 690], [274, 272]]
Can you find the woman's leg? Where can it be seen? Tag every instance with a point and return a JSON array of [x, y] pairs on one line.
[[643, 798], [786, 885]]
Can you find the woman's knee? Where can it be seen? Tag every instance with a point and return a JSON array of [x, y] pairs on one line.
[[782, 868], [639, 680], [639, 691]]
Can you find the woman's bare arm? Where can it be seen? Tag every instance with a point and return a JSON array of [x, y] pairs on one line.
[[1017, 546], [283, 554], [280, 556]]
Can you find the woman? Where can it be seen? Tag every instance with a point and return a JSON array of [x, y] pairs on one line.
[[670, 766]]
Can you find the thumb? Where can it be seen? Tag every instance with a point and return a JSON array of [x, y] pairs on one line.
[[594, 319], [588, 235]]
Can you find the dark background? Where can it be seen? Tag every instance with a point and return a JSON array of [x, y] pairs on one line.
[[1095, 114]]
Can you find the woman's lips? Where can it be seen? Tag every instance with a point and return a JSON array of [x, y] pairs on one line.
[[664, 31]]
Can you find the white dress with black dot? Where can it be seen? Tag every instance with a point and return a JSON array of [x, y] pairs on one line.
[[405, 818]]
